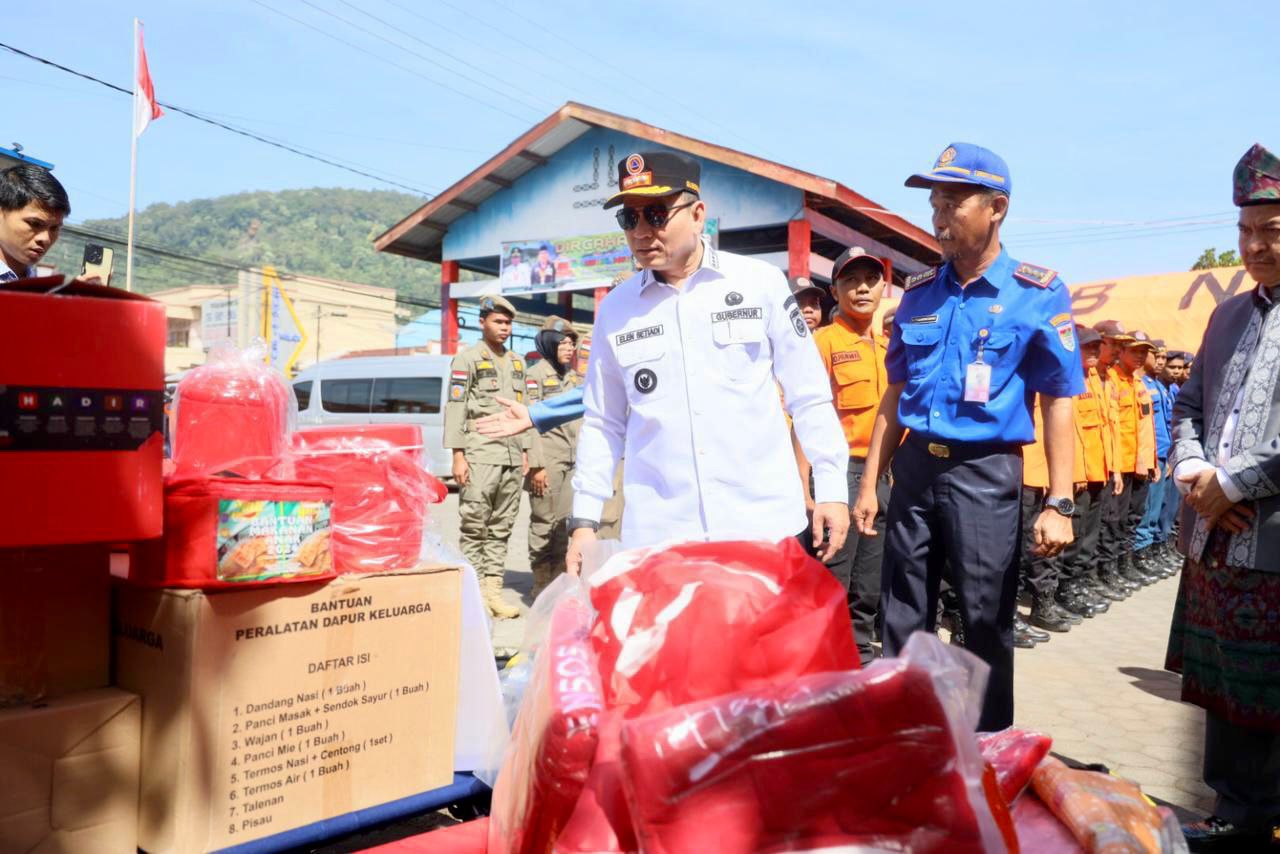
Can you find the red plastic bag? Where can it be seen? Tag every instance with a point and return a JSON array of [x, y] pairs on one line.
[[698, 620], [695, 621], [232, 413], [1014, 754], [1105, 813], [553, 741], [880, 759], [381, 491]]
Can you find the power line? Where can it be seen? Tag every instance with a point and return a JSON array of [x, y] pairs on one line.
[[444, 52], [380, 58], [700, 113], [231, 128], [226, 264]]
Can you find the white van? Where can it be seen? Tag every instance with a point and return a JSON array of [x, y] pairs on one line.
[[381, 390]]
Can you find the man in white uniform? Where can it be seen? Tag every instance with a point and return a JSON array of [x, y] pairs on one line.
[[689, 354]]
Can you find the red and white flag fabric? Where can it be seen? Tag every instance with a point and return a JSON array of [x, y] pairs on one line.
[[145, 107]]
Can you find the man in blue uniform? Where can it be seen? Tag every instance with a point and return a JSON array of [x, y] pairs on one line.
[[973, 342], [1148, 543]]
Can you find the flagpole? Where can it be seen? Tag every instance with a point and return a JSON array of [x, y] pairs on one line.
[[133, 162]]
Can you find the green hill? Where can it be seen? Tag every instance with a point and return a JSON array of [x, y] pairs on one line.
[[320, 232]]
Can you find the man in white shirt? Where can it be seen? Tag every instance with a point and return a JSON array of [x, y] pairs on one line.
[[684, 377], [33, 205]]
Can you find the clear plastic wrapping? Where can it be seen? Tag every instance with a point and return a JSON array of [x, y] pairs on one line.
[[1105, 813], [233, 413], [554, 737], [880, 759], [1014, 754], [381, 492]]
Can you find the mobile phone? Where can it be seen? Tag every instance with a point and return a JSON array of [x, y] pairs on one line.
[[97, 262]]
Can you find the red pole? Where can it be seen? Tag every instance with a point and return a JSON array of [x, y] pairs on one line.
[[448, 309], [601, 293], [799, 233], [566, 305]]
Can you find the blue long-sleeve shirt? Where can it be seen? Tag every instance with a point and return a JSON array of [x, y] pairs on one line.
[[550, 414]]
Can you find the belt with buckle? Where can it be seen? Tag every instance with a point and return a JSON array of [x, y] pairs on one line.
[[963, 450]]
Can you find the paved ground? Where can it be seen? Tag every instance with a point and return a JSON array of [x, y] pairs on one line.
[[1099, 690]]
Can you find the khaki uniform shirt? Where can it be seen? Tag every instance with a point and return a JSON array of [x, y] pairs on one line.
[[557, 447], [476, 379]]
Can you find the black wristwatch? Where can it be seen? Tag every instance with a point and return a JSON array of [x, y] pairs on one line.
[[573, 523], [1065, 506]]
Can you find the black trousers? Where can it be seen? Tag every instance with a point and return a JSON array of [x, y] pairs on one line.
[[1243, 766], [964, 510], [1039, 574], [1137, 509], [1086, 525], [1115, 538], [857, 565]]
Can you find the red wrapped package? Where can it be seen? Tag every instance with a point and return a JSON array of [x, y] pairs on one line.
[[232, 413], [466, 838], [1038, 829], [1105, 813], [1014, 754], [553, 740], [702, 619], [224, 533], [695, 621], [380, 490], [881, 759]]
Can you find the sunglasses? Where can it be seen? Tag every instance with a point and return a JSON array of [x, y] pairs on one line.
[[656, 215]]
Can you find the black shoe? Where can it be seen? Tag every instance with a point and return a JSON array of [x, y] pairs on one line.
[[1095, 593], [1022, 636], [1130, 571], [1075, 604], [1020, 625], [1218, 834], [1144, 563], [1114, 587], [1046, 615]]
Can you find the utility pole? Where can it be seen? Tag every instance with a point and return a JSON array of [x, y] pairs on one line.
[[319, 314]]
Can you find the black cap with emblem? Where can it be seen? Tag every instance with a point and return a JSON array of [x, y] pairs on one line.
[[656, 173]]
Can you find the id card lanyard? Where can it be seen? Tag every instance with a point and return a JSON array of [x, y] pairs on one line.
[[977, 376]]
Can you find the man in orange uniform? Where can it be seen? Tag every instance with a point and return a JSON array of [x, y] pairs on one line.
[[1114, 339], [1135, 459], [1078, 592], [853, 351], [1039, 574]]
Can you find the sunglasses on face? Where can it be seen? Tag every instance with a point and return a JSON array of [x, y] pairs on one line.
[[657, 215]]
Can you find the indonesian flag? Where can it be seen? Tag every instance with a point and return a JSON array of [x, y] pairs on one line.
[[145, 107]]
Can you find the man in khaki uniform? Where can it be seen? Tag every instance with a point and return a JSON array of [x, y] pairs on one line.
[[551, 456], [488, 470]]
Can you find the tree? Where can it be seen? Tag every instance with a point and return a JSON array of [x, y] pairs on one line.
[[1211, 258]]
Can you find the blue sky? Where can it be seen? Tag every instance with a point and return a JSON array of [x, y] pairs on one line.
[[1120, 121]]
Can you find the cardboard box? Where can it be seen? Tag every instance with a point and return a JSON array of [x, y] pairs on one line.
[[70, 774], [55, 608], [81, 414], [271, 709]]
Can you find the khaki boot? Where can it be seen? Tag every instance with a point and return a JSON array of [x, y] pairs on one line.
[[491, 590]]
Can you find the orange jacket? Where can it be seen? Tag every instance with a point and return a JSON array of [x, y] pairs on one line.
[[1035, 461], [1093, 436], [1096, 385], [1133, 423], [858, 379]]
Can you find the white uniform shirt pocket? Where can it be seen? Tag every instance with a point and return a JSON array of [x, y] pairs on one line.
[[647, 369], [739, 336]]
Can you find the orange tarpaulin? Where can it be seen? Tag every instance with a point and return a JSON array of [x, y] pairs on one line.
[[1174, 307]]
